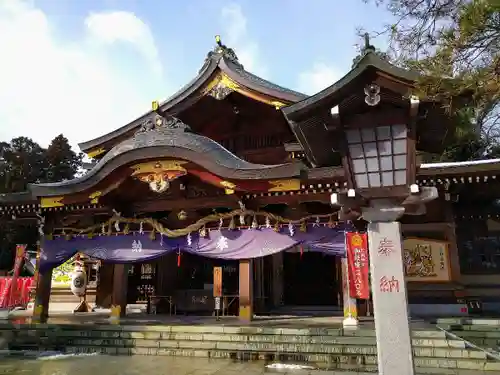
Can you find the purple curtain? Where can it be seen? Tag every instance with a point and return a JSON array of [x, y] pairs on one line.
[[222, 244]]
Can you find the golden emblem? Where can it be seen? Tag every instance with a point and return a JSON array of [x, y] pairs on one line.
[[356, 240]]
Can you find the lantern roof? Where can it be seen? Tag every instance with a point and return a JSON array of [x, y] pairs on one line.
[[311, 118]]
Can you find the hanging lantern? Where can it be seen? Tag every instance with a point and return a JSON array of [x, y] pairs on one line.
[[79, 280]]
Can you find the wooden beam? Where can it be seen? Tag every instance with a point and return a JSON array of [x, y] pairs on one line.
[[425, 227], [183, 204]]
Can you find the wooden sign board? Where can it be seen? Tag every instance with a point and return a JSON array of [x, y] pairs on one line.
[[426, 260], [217, 281]]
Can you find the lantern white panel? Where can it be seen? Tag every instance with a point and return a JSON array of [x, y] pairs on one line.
[[400, 177], [374, 179], [359, 165], [353, 136], [361, 180]]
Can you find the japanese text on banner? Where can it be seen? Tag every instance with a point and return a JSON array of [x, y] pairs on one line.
[[357, 257]]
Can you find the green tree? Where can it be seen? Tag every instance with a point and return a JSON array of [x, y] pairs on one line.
[[23, 161], [455, 45], [62, 162]]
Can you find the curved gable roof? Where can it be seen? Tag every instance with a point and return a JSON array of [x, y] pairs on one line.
[[171, 139], [221, 59]]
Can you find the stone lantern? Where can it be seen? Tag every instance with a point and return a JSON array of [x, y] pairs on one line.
[[370, 117]]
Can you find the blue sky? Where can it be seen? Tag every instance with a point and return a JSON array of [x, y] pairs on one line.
[[87, 67]]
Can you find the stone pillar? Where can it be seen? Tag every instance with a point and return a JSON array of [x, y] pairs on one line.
[[42, 297], [277, 297], [350, 307], [246, 290], [120, 287], [390, 305]]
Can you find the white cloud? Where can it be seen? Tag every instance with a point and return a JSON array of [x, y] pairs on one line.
[[111, 27], [50, 86], [319, 77], [237, 37]]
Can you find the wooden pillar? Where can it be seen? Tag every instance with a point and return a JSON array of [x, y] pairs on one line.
[[104, 290], [120, 287], [167, 275], [450, 236], [338, 279], [277, 279], [246, 290], [42, 297], [258, 278]]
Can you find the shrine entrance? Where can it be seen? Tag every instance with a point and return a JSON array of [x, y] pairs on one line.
[[311, 279], [141, 282]]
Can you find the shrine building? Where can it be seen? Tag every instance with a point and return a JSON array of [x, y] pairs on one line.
[[235, 173]]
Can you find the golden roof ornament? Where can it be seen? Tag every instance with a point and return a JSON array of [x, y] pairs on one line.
[[221, 50]]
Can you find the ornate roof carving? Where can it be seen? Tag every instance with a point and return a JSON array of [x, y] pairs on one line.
[[221, 50], [164, 137]]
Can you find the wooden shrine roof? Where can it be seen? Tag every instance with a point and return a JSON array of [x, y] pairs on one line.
[[222, 64]]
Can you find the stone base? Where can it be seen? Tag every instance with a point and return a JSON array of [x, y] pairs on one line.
[[350, 322]]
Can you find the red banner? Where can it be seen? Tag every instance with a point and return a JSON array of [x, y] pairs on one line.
[[21, 297], [357, 258]]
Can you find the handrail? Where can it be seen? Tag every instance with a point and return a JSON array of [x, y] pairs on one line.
[[489, 354]]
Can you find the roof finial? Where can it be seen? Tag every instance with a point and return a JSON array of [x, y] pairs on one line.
[[368, 46], [224, 51], [218, 40]]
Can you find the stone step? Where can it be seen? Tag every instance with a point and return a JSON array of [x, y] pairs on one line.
[[352, 347], [342, 349], [469, 321], [210, 337], [220, 329]]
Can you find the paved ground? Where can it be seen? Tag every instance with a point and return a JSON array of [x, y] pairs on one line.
[[134, 318], [140, 365]]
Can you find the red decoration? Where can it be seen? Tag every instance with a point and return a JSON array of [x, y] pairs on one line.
[[301, 251], [21, 297], [357, 258], [178, 258]]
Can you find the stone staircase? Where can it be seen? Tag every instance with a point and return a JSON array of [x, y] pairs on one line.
[[483, 332], [323, 348]]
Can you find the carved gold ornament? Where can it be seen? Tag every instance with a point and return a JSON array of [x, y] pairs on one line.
[[96, 152], [51, 202], [94, 197], [159, 174], [222, 85], [284, 185], [228, 187]]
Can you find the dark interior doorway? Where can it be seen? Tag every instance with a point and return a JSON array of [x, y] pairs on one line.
[[310, 279]]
